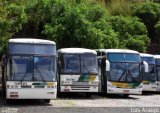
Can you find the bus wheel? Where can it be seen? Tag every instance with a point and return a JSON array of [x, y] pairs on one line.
[[7, 101], [126, 95], [47, 101], [88, 95]]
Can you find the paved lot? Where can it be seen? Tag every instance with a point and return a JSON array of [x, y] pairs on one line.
[[78, 103]]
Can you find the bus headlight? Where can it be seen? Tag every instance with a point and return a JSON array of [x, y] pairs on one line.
[[109, 84], [94, 83]]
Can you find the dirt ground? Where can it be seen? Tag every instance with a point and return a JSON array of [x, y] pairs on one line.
[[78, 103]]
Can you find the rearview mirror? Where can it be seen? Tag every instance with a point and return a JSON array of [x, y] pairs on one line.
[[107, 65], [145, 66]]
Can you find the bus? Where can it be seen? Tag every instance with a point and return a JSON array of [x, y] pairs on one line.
[[149, 78], [30, 71], [157, 60], [77, 70], [120, 71]]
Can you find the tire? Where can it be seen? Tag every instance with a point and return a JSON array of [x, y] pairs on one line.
[[7, 101], [88, 95], [126, 95], [47, 101]]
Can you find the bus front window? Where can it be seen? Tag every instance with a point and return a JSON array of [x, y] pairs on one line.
[[150, 75], [124, 67], [44, 69], [124, 72], [158, 68], [89, 64], [21, 68], [71, 63]]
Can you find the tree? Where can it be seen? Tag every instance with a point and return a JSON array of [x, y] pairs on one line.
[[149, 13], [131, 32], [79, 24], [12, 17]]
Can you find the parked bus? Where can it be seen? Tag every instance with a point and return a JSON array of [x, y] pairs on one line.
[[78, 70], [30, 71], [157, 60], [149, 78], [121, 71]]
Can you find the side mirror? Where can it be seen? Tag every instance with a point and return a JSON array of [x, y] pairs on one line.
[[145, 66], [59, 66], [107, 65]]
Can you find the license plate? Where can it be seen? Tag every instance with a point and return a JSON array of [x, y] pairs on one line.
[[66, 90], [126, 91]]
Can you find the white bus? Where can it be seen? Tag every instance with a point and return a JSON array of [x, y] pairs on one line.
[[31, 70], [157, 60], [121, 71], [149, 78], [78, 70]]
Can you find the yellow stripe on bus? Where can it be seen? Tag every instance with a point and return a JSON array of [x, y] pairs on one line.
[[50, 84], [120, 85], [92, 78]]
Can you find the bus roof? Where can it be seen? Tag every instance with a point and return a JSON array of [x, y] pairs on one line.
[[76, 50], [157, 56], [31, 41], [146, 55], [117, 51]]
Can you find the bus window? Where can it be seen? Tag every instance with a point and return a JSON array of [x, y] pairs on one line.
[[21, 68], [44, 69]]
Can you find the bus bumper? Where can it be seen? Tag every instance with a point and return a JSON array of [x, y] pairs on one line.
[[40, 93], [113, 90], [158, 86], [150, 87], [78, 88]]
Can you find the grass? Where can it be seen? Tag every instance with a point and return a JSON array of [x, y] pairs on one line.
[[119, 7]]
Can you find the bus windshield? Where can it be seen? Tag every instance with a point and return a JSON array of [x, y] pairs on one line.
[[157, 61], [89, 63], [25, 68], [44, 69], [158, 68], [150, 75], [79, 63], [71, 63], [123, 57], [125, 72], [21, 68], [149, 60]]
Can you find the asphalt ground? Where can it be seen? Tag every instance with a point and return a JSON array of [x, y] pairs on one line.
[[78, 103]]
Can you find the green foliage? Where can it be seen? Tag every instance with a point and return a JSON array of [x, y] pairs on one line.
[[82, 24], [12, 16], [149, 13], [35, 12], [157, 31], [76, 23], [132, 33]]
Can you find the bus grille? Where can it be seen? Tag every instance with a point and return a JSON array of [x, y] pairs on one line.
[[80, 87], [80, 83]]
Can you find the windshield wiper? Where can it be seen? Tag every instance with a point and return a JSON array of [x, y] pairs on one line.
[[122, 75]]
